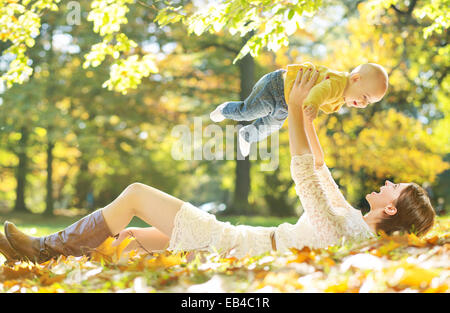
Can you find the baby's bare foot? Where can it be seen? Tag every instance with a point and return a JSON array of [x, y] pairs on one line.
[[216, 115]]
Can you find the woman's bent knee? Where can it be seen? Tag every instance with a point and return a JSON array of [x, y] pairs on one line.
[[135, 187], [132, 193]]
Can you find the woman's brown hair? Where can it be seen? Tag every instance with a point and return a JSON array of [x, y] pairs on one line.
[[415, 214]]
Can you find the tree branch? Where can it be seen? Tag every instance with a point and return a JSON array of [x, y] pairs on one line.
[[220, 45], [411, 7], [398, 10]]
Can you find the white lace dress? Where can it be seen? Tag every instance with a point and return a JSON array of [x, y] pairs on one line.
[[327, 219]]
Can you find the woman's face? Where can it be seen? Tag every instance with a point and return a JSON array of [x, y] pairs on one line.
[[387, 195]]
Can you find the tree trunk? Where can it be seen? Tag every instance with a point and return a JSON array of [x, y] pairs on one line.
[[82, 184], [240, 203], [49, 202], [21, 173], [50, 85]]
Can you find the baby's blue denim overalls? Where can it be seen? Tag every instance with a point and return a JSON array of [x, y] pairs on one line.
[[265, 104]]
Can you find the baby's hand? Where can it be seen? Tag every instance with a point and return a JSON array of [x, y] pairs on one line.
[[310, 112]]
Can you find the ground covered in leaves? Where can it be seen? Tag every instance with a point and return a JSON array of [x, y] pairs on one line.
[[397, 263]]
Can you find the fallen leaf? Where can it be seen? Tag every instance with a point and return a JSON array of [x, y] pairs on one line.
[[108, 253], [387, 248], [48, 278], [340, 287], [305, 254], [164, 261], [413, 240], [411, 275], [285, 282], [21, 270]]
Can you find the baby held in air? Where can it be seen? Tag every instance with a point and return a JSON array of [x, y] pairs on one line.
[[267, 106]]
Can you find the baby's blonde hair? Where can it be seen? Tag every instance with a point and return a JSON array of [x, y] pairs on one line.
[[374, 69]]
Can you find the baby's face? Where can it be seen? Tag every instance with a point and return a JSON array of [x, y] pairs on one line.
[[363, 90]]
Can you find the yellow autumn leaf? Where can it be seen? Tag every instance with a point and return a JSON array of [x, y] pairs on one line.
[[47, 279], [386, 248], [10, 283], [327, 261], [440, 289], [339, 287], [411, 275], [285, 282], [418, 277], [104, 251], [109, 253], [20, 270], [413, 240], [305, 254], [123, 244], [433, 240], [164, 261], [53, 288]]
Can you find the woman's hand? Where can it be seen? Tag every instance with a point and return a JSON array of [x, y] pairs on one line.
[[298, 141], [301, 87]]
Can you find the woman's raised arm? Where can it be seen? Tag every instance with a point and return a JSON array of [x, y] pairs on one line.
[[315, 144], [298, 139], [307, 183]]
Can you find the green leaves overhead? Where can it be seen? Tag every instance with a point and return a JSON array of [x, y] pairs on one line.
[[107, 16], [438, 12], [434, 13], [271, 21], [21, 23], [128, 73], [125, 73]]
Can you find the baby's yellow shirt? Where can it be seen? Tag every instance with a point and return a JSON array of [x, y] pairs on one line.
[[327, 94]]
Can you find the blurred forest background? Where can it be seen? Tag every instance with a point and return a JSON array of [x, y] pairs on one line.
[[97, 99]]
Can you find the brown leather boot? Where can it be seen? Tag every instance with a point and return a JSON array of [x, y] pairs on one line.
[[10, 254], [77, 239]]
